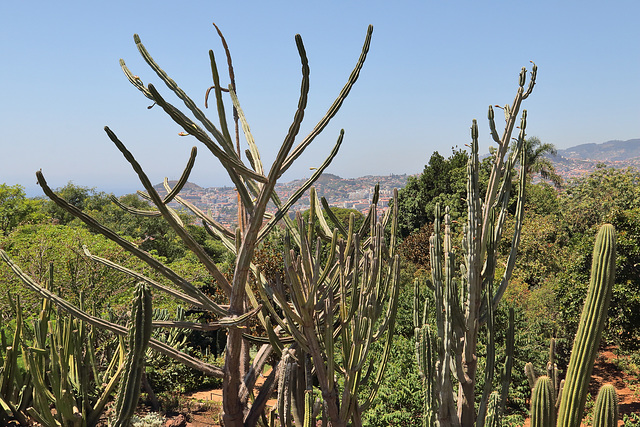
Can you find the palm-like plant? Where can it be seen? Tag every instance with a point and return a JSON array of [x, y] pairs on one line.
[[538, 162]]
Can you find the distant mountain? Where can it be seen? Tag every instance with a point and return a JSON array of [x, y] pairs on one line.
[[607, 151], [189, 187], [582, 159]]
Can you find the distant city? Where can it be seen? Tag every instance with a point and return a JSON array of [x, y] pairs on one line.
[[221, 203]]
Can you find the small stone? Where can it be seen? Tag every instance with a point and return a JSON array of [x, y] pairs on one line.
[[179, 421]]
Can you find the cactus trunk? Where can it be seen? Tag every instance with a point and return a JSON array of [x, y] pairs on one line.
[[592, 320], [606, 408], [543, 409], [139, 336]]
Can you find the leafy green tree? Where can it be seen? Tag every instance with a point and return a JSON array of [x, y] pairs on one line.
[[553, 266], [607, 195], [442, 181], [34, 246], [16, 208], [151, 233], [78, 196]]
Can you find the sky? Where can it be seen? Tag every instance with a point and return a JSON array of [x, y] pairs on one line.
[[433, 66]]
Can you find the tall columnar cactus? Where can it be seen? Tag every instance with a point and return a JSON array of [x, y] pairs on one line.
[[424, 355], [465, 300], [255, 185], [592, 320], [139, 334], [606, 408], [543, 403], [492, 418]]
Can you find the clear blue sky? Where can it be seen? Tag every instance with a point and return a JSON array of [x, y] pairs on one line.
[[433, 67]]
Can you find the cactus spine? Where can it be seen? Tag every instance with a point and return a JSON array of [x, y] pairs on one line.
[[606, 408], [592, 320], [139, 336], [543, 408]]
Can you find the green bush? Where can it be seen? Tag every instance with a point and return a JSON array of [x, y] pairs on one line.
[[400, 397]]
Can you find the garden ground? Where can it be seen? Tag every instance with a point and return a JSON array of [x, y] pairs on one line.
[[203, 408]]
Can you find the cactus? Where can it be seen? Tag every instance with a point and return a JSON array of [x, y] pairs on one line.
[[492, 418], [139, 335], [543, 405], [592, 320], [606, 408], [424, 356], [255, 185], [347, 292], [466, 300], [59, 370], [569, 396], [551, 374], [15, 387]]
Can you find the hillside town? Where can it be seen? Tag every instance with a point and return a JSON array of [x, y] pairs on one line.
[[221, 203]]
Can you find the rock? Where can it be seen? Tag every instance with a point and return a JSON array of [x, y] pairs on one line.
[[179, 421]]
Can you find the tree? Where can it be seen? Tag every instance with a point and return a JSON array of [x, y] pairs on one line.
[[538, 161], [16, 208], [442, 181], [607, 195]]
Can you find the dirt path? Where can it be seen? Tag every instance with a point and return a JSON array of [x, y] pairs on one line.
[[206, 404], [606, 371]]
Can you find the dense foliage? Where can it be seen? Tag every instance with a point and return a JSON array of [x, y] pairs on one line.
[[547, 289]]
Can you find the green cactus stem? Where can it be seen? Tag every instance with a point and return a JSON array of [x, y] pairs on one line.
[[543, 408], [594, 313], [492, 418], [139, 335], [606, 410]]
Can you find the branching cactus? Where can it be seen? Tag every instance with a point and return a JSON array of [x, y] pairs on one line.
[[344, 297], [255, 185], [592, 320], [465, 300]]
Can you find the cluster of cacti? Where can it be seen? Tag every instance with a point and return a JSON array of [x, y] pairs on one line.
[[351, 299], [569, 396], [343, 304], [15, 388], [464, 300], [60, 371]]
